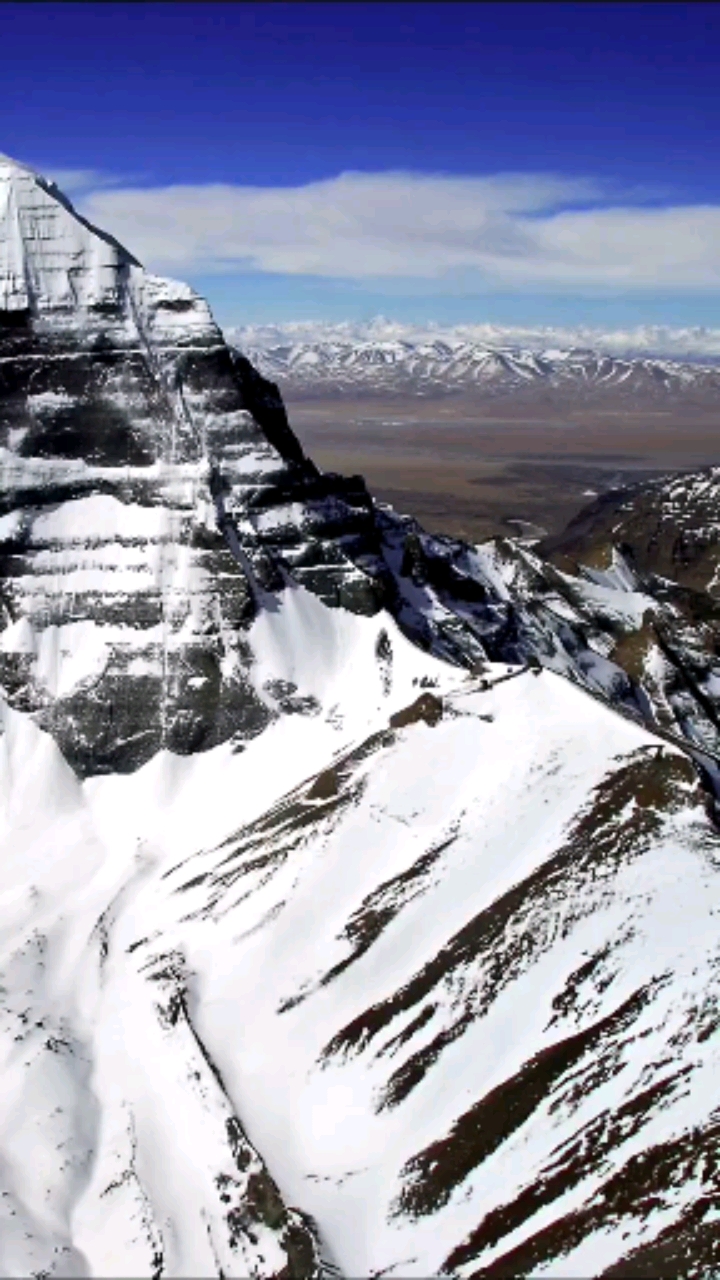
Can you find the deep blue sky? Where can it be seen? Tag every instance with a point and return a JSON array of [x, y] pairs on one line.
[[278, 94]]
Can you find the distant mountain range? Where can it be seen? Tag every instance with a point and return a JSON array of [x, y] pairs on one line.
[[385, 358], [695, 344]]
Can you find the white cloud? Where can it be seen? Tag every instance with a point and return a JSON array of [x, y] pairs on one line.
[[508, 230], [75, 181], [72, 180]]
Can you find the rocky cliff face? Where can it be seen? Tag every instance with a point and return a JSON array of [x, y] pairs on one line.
[[357, 886], [148, 481]]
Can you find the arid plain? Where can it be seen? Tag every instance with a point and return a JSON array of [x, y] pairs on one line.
[[474, 468]]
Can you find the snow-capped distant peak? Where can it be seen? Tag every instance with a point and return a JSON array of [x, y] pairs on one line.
[[384, 357], [693, 344]]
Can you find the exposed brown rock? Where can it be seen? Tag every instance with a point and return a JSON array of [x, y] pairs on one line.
[[427, 708]]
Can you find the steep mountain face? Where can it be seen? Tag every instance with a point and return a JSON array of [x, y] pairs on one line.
[[669, 527], [357, 887], [131, 438], [435, 366]]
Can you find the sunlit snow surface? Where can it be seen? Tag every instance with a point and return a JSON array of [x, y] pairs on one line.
[[362, 960], [325, 954]]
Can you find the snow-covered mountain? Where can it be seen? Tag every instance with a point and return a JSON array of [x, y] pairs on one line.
[[386, 358], [696, 344], [358, 887]]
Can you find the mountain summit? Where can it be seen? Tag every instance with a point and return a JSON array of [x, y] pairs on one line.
[[357, 886], [70, 292], [52, 259]]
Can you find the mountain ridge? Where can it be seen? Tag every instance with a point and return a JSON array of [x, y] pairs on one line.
[[437, 366], [689, 344], [357, 885]]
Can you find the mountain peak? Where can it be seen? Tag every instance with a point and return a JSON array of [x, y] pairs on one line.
[[51, 258], [14, 167]]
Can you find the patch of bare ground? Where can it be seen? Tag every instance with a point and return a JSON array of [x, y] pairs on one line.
[[432, 1176], [574, 1161], [626, 812], [377, 911], [633, 649], [426, 708], [689, 1248], [647, 1182]]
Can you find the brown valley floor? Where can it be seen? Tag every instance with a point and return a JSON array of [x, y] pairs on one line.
[[473, 470]]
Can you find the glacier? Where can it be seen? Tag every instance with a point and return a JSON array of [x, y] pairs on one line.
[[358, 888]]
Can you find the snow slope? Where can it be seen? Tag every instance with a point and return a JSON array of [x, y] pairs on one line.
[[353, 918], [345, 970], [351, 973]]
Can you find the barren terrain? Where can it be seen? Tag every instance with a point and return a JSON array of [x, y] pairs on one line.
[[473, 469]]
